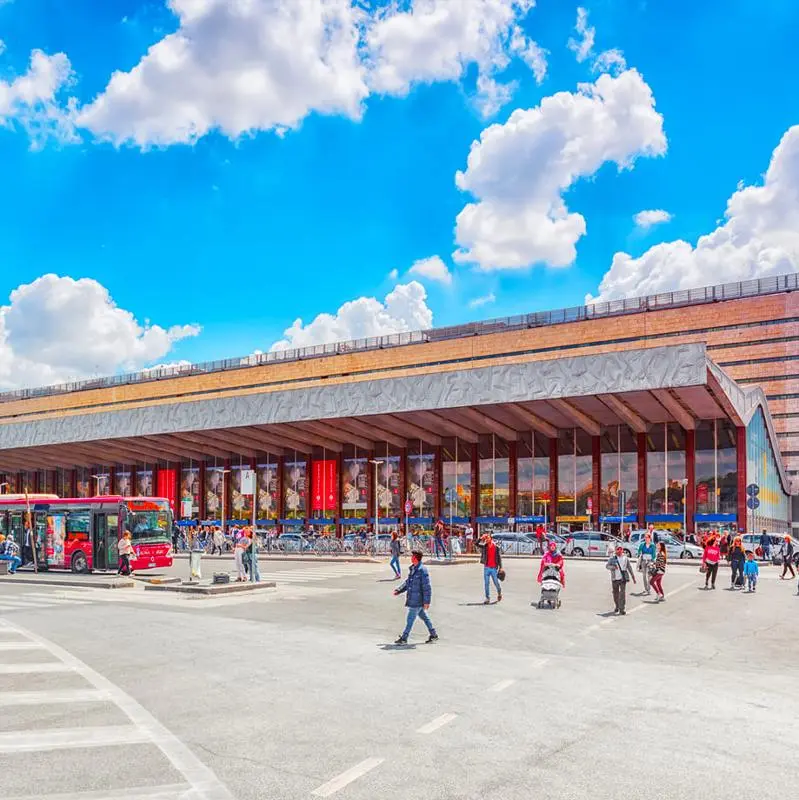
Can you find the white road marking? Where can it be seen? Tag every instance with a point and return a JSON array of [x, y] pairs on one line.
[[22, 669], [70, 738], [52, 696], [352, 774], [438, 722], [679, 589], [204, 783], [177, 791], [19, 646], [502, 685]]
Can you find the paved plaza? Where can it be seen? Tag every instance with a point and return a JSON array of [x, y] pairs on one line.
[[300, 693]]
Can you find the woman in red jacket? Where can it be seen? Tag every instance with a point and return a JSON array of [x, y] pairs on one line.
[[710, 562]]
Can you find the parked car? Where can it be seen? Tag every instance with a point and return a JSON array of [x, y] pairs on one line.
[[293, 543], [674, 547], [596, 544], [751, 543], [516, 543]]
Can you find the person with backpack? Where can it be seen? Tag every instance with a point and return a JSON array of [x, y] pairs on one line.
[[491, 559], [710, 562], [418, 594], [786, 551], [621, 571]]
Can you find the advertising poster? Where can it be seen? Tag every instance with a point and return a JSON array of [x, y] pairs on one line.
[[123, 480], [56, 534], [420, 484], [190, 491], [325, 479], [144, 483], [103, 483], [294, 482], [267, 491], [356, 486], [214, 486], [388, 487], [240, 501]]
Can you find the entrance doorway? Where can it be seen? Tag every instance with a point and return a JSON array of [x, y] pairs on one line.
[[100, 541]]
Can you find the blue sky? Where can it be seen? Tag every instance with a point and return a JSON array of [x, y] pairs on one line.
[[336, 182]]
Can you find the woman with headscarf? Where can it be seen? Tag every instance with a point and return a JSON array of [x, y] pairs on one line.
[[553, 558]]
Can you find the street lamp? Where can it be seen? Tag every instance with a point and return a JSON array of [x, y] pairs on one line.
[[377, 462]]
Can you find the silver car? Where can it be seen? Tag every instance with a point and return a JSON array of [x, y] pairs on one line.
[[594, 544], [674, 547]]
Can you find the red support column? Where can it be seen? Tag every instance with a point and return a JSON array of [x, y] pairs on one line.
[[438, 482], [201, 509], [112, 480], [370, 486], [37, 482], [690, 474], [73, 483], [403, 486], [641, 480], [474, 498], [281, 495], [553, 483], [227, 485], [596, 478], [740, 444], [339, 494], [513, 479]]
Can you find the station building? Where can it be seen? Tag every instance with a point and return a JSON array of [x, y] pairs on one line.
[[680, 409]]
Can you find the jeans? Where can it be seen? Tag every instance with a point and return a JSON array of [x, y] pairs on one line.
[[751, 582], [645, 562], [439, 543], [124, 565], [766, 552], [711, 570], [656, 582], [491, 574], [620, 595], [14, 562], [417, 611], [736, 569], [254, 567], [395, 565]]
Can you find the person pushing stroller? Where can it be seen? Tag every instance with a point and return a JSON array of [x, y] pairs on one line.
[[551, 577]]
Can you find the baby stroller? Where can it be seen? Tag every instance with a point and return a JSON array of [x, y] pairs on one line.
[[550, 587]]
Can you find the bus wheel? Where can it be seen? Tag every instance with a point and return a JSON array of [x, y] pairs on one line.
[[79, 563]]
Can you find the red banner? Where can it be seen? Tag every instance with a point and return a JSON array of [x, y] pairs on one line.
[[702, 492], [168, 486], [324, 477]]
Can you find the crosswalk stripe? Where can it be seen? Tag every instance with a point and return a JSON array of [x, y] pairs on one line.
[[68, 738], [22, 669], [52, 696], [23, 604], [177, 791], [19, 646]]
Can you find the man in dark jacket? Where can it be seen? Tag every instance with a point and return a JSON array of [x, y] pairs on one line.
[[417, 600], [491, 559], [765, 545]]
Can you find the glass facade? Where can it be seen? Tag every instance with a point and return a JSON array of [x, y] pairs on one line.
[[575, 475], [123, 483], [494, 477], [532, 477], [144, 483], [190, 491], [388, 481], [214, 492], [240, 504], [761, 469], [665, 468], [355, 483], [456, 469], [619, 471], [267, 481], [716, 468], [421, 479], [294, 487]]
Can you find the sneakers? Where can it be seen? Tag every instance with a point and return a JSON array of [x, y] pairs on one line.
[[622, 613], [486, 602], [401, 640], [432, 638]]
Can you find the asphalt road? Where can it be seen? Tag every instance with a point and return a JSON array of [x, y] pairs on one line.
[[299, 693]]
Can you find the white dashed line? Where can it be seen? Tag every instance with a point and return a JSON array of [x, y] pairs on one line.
[[438, 722], [346, 778], [502, 685]]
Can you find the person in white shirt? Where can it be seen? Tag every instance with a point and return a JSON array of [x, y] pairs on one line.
[[621, 570], [125, 547]]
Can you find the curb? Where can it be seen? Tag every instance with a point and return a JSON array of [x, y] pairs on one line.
[[210, 590], [265, 557], [115, 583]]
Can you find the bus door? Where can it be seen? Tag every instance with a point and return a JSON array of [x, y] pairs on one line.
[[100, 540]]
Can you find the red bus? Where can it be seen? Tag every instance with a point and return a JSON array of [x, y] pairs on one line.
[[82, 534]]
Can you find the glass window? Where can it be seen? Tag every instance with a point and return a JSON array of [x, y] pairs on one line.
[[144, 483], [84, 482], [266, 477], [190, 489], [619, 469], [456, 467], [123, 483], [294, 483], [388, 481], [214, 492], [494, 477], [761, 469], [355, 480], [575, 473], [665, 468], [421, 478], [240, 504], [78, 526], [533, 476]]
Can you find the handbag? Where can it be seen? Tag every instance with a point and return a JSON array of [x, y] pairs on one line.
[[501, 574], [703, 568]]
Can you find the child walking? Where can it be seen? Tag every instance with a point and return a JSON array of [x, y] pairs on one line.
[[751, 571]]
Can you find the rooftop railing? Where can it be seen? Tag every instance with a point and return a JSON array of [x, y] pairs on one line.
[[614, 308]]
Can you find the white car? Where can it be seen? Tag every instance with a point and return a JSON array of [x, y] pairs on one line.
[[751, 543], [674, 547]]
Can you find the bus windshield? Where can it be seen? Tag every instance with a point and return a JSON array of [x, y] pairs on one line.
[[149, 521]]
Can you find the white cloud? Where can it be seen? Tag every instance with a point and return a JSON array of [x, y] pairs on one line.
[[612, 61], [646, 219], [492, 95], [520, 171], [32, 100], [57, 328], [236, 66], [432, 268], [759, 238], [436, 40], [485, 300], [403, 309], [531, 53], [393, 275], [583, 45]]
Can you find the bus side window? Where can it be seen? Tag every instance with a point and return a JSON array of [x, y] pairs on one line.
[[78, 526], [4, 523]]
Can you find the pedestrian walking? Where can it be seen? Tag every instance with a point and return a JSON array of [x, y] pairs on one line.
[[438, 539], [724, 546], [239, 551], [418, 595], [491, 559], [621, 571], [737, 561], [711, 556], [765, 545], [658, 570], [195, 557], [786, 551], [540, 537], [646, 555], [218, 541], [9, 551], [125, 549], [751, 572], [469, 539], [395, 555]]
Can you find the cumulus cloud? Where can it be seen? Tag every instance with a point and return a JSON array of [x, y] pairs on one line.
[[656, 216], [432, 268], [519, 171], [485, 300], [610, 61], [33, 101], [531, 53], [403, 309], [393, 275], [583, 44], [237, 67], [57, 329], [492, 95], [759, 238]]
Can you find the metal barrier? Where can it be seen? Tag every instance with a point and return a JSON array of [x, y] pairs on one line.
[[613, 308]]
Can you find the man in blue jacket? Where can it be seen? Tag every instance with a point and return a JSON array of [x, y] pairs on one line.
[[417, 600]]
